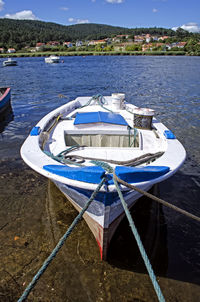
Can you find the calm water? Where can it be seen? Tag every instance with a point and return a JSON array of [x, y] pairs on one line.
[[169, 85]]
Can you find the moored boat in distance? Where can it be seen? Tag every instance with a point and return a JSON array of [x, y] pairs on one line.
[[5, 96], [9, 62], [73, 144], [52, 59]]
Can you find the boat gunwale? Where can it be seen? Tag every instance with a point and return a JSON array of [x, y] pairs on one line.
[[47, 160], [5, 93]]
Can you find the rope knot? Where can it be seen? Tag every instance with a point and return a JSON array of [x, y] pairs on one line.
[[102, 164]]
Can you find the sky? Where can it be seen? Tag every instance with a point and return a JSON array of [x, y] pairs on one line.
[[124, 13]]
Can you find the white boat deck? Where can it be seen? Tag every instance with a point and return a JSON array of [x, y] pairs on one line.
[[149, 142]]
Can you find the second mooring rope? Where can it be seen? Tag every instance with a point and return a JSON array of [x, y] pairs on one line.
[[60, 244]]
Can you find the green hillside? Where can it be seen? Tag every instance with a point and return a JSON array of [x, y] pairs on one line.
[[28, 32]]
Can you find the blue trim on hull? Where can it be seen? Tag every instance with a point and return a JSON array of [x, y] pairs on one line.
[[107, 198], [35, 131], [5, 99], [169, 134]]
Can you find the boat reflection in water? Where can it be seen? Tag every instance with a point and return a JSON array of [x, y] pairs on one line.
[[123, 251], [150, 222], [6, 117]]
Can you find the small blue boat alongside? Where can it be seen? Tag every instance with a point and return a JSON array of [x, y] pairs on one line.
[[5, 96]]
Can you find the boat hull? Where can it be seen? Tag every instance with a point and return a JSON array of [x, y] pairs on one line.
[[9, 63], [52, 60], [5, 99], [94, 137], [102, 216]]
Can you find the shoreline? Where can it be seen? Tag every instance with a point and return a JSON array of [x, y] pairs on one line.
[[93, 53], [34, 213]]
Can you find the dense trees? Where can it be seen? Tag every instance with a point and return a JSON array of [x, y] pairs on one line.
[[28, 32], [21, 33]]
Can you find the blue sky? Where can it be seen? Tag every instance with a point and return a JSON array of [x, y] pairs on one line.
[[125, 13]]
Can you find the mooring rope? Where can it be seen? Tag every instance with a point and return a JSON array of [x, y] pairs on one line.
[[147, 194], [60, 244], [152, 276], [101, 101], [147, 263], [140, 245], [62, 160], [55, 122], [148, 157], [108, 168]]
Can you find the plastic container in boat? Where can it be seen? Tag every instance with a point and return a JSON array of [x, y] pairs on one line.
[[118, 101], [143, 118]]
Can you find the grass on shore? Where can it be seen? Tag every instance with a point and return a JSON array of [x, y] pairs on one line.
[[94, 53]]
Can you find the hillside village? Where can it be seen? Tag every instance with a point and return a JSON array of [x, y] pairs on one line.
[[119, 42], [142, 43]]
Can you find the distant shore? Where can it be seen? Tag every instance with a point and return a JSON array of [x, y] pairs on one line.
[[94, 53]]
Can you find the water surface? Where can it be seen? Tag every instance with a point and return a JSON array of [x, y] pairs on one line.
[[34, 214]]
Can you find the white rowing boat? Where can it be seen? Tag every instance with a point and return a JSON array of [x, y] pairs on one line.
[[69, 144], [9, 62], [52, 59]]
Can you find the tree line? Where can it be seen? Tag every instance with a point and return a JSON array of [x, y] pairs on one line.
[[20, 33]]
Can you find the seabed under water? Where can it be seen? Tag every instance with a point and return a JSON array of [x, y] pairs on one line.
[[35, 214]]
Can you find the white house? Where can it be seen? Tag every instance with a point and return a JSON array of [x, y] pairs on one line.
[[79, 43], [148, 38], [11, 50]]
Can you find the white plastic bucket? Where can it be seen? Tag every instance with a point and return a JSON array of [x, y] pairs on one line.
[[118, 100]]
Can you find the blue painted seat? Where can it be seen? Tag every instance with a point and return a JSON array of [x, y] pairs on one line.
[[99, 117]]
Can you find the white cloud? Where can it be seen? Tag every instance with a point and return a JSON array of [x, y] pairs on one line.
[[78, 21], [191, 27], [115, 1], [1, 4], [154, 10], [64, 8], [25, 14]]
